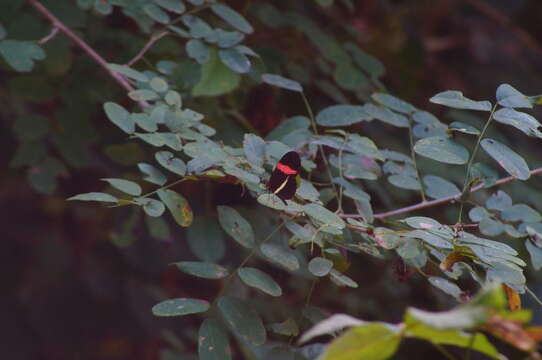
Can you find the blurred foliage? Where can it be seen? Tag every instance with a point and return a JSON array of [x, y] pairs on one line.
[[213, 93]]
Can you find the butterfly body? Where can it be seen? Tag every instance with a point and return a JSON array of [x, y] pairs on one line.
[[283, 179]]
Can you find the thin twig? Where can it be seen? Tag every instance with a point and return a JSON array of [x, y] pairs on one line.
[[504, 21], [444, 200], [51, 35], [320, 147], [413, 156], [147, 46], [472, 157], [443, 351], [83, 45]]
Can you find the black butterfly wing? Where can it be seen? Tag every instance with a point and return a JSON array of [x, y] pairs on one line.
[[288, 190]]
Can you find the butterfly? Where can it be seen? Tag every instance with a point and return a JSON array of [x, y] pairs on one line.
[[283, 182]]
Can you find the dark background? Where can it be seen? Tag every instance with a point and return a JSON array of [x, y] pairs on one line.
[[68, 291]]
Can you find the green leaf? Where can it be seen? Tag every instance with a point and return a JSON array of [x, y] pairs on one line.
[[341, 280], [370, 341], [442, 149], [349, 78], [198, 51], [144, 121], [460, 318], [430, 238], [521, 212], [341, 115], [280, 255], [437, 187], [484, 172], [156, 13], [254, 149], [178, 206], [213, 341], [490, 227], [451, 337], [180, 307], [236, 226], [176, 6], [126, 186], [227, 39], [259, 280], [173, 98], [520, 120], [21, 55], [478, 213], [235, 60], [31, 127], [393, 103], [323, 215], [351, 190], [365, 61], [287, 328], [159, 85], [143, 95], [168, 161], [232, 17], [319, 266], [153, 175], [128, 72], [216, 78], [281, 82], [95, 196], [330, 326], [455, 99], [385, 115], [509, 97], [204, 270], [510, 161], [152, 207], [536, 254], [404, 181], [198, 28], [307, 191], [445, 285], [242, 320], [206, 239], [464, 128], [119, 116]]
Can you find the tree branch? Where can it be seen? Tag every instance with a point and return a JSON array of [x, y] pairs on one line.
[[444, 200], [83, 45], [147, 46]]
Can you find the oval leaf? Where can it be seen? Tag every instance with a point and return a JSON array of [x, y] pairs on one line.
[[242, 320], [323, 215], [204, 270], [259, 280], [126, 186], [178, 207], [95, 196], [442, 149], [341, 115], [120, 117], [179, 307], [319, 266], [455, 99], [514, 164], [232, 17], [236, 226], [281, 82], [213, 341]]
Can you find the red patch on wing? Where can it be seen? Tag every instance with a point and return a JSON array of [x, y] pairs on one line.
[[286, 169]]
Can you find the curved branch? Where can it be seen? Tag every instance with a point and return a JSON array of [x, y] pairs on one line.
[[147, 47], [83, 45], [444, 200]]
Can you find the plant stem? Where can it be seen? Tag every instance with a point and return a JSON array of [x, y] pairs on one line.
[[443, 351], [536, 298], [320, 147], [413, 156], [471, 160], [444, 200], [83, 45], [164, 187], [147, 46]]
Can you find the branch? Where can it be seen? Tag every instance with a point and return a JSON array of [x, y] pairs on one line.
[[147, 47], [83, 45], [51, 35], [444, 200], [501, 19]]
